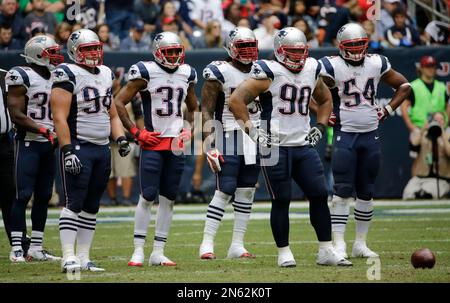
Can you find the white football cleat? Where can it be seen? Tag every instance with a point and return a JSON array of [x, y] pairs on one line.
[[286, 259], [341, 248], [329, 256], [16, 256], [41, 255], [137, 259], [70, 264], [158, 259], [360, 250], [88, 265], [207, 251], [238, 251]]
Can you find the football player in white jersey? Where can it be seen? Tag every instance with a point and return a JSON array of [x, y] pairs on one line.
[[353, 77], [29, 104], [85, 117], [285, 87], [164, 84], [236, 175]]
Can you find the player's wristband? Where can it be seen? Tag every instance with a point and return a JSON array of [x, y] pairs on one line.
[[389, 109], [135, 131], [321, 127], [120, 139], [67, 149]]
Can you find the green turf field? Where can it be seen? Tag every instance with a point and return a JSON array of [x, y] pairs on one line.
[[397, 230]]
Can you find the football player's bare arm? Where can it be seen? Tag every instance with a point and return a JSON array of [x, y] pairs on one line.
[[398, 82], [125, 95], [244, 94], [322, 97], [61, 101], [17, 109], [191, 104], [328, 81], [210, 93], [116, 125], [405, 115], [313, 106]]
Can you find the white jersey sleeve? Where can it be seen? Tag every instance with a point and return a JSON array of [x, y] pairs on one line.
[[17, 76], [138, 71], [261, 71]]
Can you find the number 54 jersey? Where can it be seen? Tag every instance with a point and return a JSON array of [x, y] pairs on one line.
[[285, 105], [89, 118], [355, 90], [163, 96]]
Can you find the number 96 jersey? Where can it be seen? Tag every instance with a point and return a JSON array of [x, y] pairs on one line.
[[355, 90], [285, 105], [89, 118], [37, 99], [163, 96]]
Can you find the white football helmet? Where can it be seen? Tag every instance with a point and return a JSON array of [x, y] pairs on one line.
[[353, 42], [241, 45], [168, 50], [84, 47], [291, 48], [43, 50]]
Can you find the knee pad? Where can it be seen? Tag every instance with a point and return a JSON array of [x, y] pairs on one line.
[[91, 209], [227, 185], [149, 193], [244, 194], [169, 194], [366, 192], [344, 190]]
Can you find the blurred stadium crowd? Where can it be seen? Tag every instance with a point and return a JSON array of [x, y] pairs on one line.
[[131, 24]]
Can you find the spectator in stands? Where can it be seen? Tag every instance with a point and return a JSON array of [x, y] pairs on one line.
[[91, 13], [401, 34], [76, 27], [297, 10], [244, 23], [9, 14], [110, 42], [342, 16], [428, 95], [267, 8], [138, 40], [266, 32], [148, 12], [202, 11], [63, 32], [55, 7], [170, 24], [169, 11], [7, 42], [232, 16], [37, 29], [425, 184], [302, 25], [38, 14], [386, 19], [212, 38], [436, 33], [120, 17]]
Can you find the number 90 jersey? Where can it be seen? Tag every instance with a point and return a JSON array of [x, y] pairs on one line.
[[355, 90], [163, 96], [285, 105], [89, 118], [37, 99], [230, 78]]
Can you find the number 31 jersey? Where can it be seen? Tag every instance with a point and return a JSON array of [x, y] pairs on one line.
[[355, 90], [163, 96], [89, 118], [285, 105], [37, 99]]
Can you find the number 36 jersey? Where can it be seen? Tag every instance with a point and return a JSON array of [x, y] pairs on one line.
[[37, 99], [89, 118], [163, 96], [355, 90], [285, 105]]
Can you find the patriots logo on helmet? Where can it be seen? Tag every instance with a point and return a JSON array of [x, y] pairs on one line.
[[40, 39], [282, 33], [159, 37], [74, 36], [341, 30], [233, 33]]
